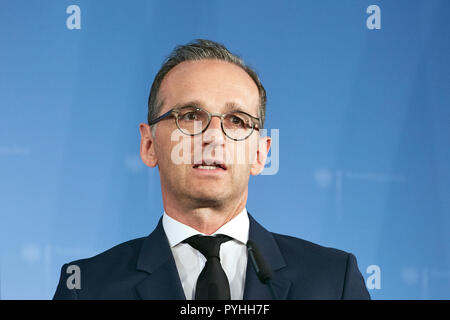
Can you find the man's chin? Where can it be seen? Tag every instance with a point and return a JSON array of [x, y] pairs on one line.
[[209, 198]]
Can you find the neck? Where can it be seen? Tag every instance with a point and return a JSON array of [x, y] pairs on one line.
[[206, 220]]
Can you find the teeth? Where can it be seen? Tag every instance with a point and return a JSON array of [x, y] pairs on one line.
[[208, 167]]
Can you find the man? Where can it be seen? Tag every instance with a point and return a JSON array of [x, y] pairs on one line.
[[210, 100]]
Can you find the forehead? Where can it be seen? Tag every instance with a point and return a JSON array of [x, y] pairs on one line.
[[215, 84]]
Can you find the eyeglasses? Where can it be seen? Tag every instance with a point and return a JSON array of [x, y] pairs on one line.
[[191, 120]]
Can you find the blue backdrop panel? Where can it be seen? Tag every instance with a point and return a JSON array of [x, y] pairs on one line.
[[363, 164]]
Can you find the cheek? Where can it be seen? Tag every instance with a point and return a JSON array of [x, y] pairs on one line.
[[174, 150], [241, 156], [243, 153], [164, 153], [253, 154]]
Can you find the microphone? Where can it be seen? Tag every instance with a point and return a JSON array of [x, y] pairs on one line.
[[262, 269]]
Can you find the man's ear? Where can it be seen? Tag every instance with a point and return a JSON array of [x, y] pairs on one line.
[[147, 151], [261, 155]]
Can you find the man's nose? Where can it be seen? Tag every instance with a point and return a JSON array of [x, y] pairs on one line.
[[214, 132], [215, 123]]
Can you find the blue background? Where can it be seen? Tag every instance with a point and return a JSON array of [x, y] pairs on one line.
[[363, 163]]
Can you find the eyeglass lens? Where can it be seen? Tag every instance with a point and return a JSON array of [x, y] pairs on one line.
[[236, 125]]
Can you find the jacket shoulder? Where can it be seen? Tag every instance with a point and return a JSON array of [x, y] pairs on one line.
[[320, 272], [292, 246], [125, 252], [104, 276]]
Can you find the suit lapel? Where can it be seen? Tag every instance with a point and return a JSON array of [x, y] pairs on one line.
[[155, 258], [254, 289]]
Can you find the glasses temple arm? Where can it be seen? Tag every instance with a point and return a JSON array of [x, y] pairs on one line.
[[165, 115]]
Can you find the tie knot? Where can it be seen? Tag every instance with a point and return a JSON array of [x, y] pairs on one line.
[[209, 246]]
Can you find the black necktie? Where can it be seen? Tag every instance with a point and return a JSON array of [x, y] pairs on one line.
[[212, 283]]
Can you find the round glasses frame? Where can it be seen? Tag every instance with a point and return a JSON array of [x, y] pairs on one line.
[[176, 111]]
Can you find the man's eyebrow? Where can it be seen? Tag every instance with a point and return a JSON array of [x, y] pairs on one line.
[[232, 106], [229, 106], [193, 103]]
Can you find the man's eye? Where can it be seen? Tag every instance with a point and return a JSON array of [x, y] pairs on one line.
[[190, 116], [237, 121]]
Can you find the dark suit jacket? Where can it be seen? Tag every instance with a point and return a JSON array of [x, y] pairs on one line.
[[144, 268]]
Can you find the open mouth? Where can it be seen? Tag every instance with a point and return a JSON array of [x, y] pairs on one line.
[[210, 166]]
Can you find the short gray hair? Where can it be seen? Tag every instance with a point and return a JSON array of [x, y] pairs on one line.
[[201, 49]]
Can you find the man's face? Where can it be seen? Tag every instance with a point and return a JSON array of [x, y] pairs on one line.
[[218, 87]]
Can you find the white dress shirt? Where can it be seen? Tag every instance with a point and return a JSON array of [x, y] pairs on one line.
[[190, 262]]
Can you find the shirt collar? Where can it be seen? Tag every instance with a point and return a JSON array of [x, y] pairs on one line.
[[237, 228]]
